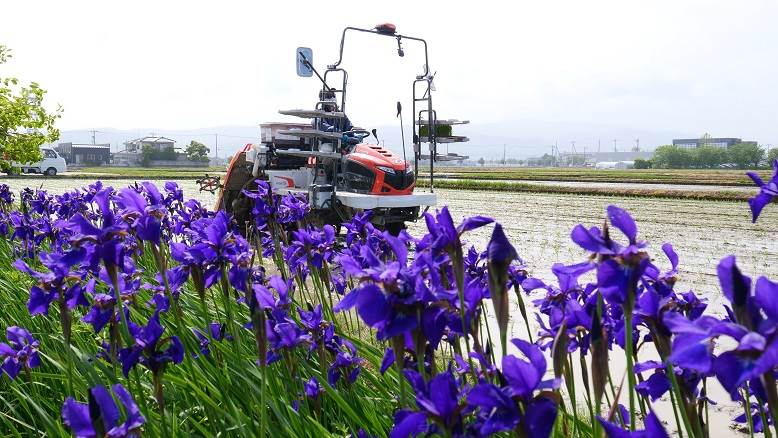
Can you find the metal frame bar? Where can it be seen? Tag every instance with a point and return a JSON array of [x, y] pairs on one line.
[[342, 90], [396, 36], [432, 119], [425, 77]]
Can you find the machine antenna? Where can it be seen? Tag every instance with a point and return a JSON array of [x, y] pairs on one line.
[[402, 131]]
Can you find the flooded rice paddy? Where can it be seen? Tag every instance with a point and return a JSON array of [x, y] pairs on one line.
[[622, 185]]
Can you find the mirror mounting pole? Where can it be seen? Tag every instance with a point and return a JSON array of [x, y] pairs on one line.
[[309, 65]]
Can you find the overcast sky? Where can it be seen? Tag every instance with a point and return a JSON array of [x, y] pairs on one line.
[[694, 66]]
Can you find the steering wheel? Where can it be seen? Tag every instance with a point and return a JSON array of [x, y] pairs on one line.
[[359, 133]]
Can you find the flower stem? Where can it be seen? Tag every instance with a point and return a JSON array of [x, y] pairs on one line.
[[679, 396], [747, 409], [64, 315], [768, 381], [228, 309], [630, 360], [674, 402]]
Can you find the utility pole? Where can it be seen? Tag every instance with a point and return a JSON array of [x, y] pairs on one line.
[[216, 137], [637, 145], [503, 154], [598, 145], [614, 145], [93, 136]]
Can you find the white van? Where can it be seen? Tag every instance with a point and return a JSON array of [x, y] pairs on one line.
[[51, 164]]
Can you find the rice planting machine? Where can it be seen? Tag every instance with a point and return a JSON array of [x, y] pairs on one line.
[[334, 164]]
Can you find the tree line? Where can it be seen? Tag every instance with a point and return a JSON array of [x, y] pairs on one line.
[[742, 155], [25, 124]]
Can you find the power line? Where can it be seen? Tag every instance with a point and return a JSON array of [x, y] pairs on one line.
[[178, 133]]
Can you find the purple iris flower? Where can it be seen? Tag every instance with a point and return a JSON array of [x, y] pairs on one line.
[[499, 412], [653, 429], [21, 351], [620, 267], [440, 407], [657, 384], [283, 334], [346, 364], [756, 418], [104, 243], [195, 262], [59, 280], [500, 254], [263, 205], [594, 240], [101, 416], [751, 325], [515, 404], [377, 310], [322, 331], [215, 241], [6, 195], [145, 216], [499, 248], [173, 194], [281, 300], [391, 310], [240, 270], [692, 347], [474, 266], [291, 209], [402, 298], [176, 278], [286, 334], [443, 235], [768, 192], [148, 348], [310, 246], [565, 302], [102, 310], [188, 213], [313, 388], [25, 230], [523, 377], [217, 333], [387, 361], [358, 228], [42, 203]]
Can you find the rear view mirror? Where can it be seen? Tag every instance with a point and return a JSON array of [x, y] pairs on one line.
[[304, 62]]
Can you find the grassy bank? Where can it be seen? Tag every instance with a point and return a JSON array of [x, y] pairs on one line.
[[724, 177], [518, 187]]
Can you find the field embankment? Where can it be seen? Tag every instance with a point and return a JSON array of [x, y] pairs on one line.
[[723, 177], [526, 187]]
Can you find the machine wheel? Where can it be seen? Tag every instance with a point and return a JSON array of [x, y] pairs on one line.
[[51, 171], [395, 228]]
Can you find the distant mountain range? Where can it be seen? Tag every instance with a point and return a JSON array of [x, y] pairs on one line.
[[519, 139]]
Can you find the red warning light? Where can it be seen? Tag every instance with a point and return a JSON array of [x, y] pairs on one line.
[[386, 29]]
